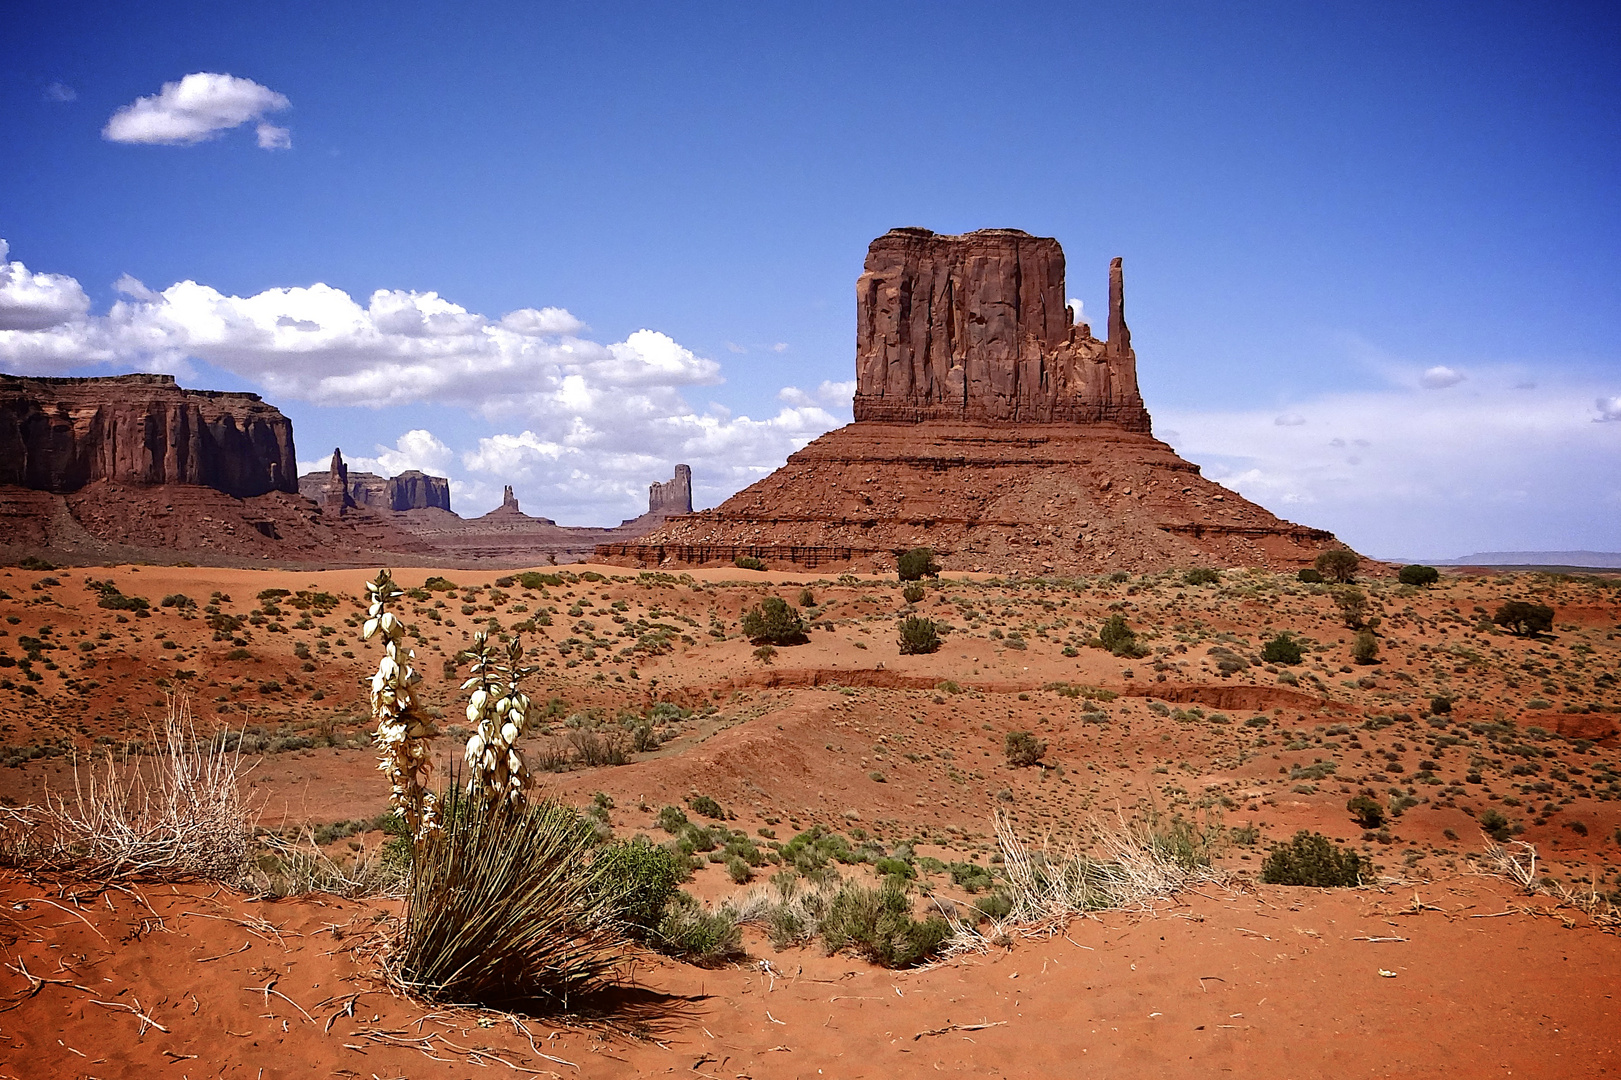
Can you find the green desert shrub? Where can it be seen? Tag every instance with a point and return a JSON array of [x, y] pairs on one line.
[[913, 593], [1366, 810], [773, 621], [1365, 649], [1023, 749], [1417, 574], [1495, 824], [1310, 576], [671, 819], [918, 635], [1353, 605], [917, 564], [748, 562], [1524, 619], [1119, 638], [1312, 859], [709, 808], [878, 925], [1339, 565], [696, 935], [637, 880], [1283, 649], [1201, 575]]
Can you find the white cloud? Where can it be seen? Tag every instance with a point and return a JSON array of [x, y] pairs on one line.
[[61, 92], [1289, 420], [30, 301], [271, 137], [1440, 377], [1609, 408], [1404, 473], [780, 347], [1077, 311], [199, 107], [595, 423]]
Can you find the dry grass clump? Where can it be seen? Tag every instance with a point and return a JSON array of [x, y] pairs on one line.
[[180, 817], [1130, 864]]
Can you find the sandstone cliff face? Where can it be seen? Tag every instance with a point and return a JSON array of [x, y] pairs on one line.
[[673, 496], [410, 490], [975, 327], [59, 435]]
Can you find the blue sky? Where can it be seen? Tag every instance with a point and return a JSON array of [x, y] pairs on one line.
[[1372, 253]]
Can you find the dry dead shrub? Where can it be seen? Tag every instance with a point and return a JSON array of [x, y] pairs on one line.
[[180, 817], [1129, 864]]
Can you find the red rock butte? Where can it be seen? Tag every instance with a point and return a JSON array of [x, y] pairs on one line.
[[991, 427]]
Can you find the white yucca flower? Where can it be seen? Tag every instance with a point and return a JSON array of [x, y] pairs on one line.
[[402, 730], [501, 712]]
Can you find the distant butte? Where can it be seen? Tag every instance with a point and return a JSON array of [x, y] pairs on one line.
[[991, 427]]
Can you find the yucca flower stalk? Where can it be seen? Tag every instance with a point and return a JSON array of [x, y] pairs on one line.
[[402, 729], [500, 710]]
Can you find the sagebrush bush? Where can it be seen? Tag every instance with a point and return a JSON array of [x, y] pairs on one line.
[[1366, 810], [696, 935], [878, 924], [1119, 638], [1416, 574], [917, 564], [913, 593], [636, 881], [748, 562], [1023, 749], [1353, 605], [1495, 824], [1283, 649], [1365, 650], [1312, 859], [1310, 576], [1201, 575], [773, 621], [918, 635]]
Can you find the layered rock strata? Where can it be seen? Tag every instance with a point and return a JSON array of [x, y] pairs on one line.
[[990, 427], [59, 435], [410, 490], [976, 328], [673, 496]]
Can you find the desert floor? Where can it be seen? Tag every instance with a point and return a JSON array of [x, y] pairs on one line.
[[1437, 969]]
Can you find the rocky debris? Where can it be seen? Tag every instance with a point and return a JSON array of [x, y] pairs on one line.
[[989, 427], [975, 327], [673, 496], [59, 435]]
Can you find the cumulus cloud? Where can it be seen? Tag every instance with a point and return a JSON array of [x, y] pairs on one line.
[[30, 301], [1077, 311], [1440, 377], [199, 107], [61, 92], [1289, 420], [587, 425], [1609, 408], [1404, 473]]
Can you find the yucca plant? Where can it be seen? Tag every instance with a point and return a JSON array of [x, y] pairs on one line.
[[403, 730], [505, 906]]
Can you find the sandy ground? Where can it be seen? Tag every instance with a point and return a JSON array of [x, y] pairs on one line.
[[845, 732]]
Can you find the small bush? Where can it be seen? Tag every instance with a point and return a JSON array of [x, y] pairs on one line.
[[1023, 749], [1338, 565], [918, 635], [913, 593], [1416, 574], [1282, 649], [1201, 575], [440, 584], [697, 936], [637, 878], [1310, 576], [878, 924], [748, 562], [1366, 810], [1365, 650], [672, 820], [1495, 824], [917, 564], [1312, 859], [773, 621], [1440, 705], [1353, 605], [709, 808], [1523, 619], [1119, 638]]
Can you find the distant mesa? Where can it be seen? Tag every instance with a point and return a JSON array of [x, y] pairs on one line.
[[990, 426], [410, 490], [60, 435]]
